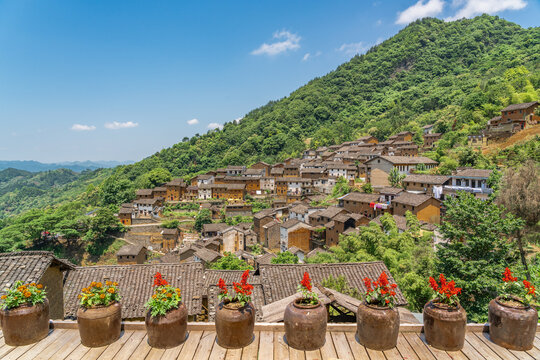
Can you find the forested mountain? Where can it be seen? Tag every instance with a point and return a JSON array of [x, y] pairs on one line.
[[456, 75]]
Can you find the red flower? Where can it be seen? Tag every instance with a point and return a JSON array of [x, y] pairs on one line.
[[507, 276], [222, 287], [245, 276], [433, 283], [159, 281], [383, 279], [306, 282], [531, 290]]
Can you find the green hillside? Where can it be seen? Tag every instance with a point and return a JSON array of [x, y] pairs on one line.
[[454, 74]]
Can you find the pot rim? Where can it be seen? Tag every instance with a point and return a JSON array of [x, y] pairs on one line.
[[227, 306], [26, 306], [296, 304], [440, 306], [376, 307], [499, 301]]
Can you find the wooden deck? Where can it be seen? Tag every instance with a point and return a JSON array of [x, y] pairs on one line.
[[63, 343]]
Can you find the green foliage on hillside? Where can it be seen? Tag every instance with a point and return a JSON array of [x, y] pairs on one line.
[[22, 190]]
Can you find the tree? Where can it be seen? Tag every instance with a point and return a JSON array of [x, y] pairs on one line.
[[520, 194], [204, 216], [170, 224], [285, 257], [367, 188], [115, 191], [154, 178], [395, 177], [230, 262], [477, 249]]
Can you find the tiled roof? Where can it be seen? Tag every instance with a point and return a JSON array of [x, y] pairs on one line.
[[295, 250], [428, 179], [390, 190], [135, 285], [265, 259], [207, 255], [299, 209], [330, 212], [263, 213], [411, 199], [126, 210], [144, 192], [213, 227], [519, 106], [405, 159], [27, 266], [474, 173], [281, 280], [130, 250], [361, 197], [160, 189], [290, 223], [175, 182]]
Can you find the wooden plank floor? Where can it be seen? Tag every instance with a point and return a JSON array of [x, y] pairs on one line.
[[268, 345]]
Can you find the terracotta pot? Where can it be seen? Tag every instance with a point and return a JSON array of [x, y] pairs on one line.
[[305, 325], [168, 331], [234, 326], [512, 327], [99, 326], [25, 324], [377, 327], [445, 327]]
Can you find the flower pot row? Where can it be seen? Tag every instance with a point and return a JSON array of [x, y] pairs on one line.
[[25, 316]]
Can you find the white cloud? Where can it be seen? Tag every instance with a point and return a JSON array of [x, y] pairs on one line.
[[353, 48], [115, 125], [286, 41], [193, 122], [213, 126], [477, 7], [81, 127], [419, 10], [378, 22], [306, 56]]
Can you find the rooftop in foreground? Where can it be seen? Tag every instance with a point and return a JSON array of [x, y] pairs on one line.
[[64, 343]]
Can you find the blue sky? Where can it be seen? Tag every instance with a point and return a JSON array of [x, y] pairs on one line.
[[120, 80]]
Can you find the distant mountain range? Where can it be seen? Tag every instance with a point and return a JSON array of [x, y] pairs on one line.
[[78, 166]]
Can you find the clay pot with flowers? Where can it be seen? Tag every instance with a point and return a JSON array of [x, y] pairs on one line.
[[24, 314], [377, 318], [305, 319], [444, 319], [235, 315], [100, 315], [512, 316], [166, 320]]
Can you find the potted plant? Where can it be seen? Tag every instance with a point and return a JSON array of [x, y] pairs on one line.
[[512, 316], [445, 319], [305, 319], [24, 314], [235, 315], [100, 315], [166, 319], [377, 318]]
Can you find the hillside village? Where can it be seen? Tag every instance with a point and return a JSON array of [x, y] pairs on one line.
[[299, 212]]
